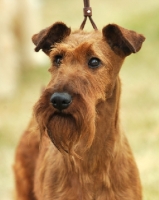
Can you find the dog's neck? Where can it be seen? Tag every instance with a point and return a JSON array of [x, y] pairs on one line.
[[107, 126], [108, 117]]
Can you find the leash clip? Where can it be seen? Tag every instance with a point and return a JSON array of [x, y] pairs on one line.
[[87, 11]]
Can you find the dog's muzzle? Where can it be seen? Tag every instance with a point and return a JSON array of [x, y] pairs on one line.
[[61, 101]]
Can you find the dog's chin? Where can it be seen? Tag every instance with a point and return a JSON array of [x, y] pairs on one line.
[[63, 131]]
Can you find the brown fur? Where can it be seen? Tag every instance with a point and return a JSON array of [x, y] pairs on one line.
[[83, 155]]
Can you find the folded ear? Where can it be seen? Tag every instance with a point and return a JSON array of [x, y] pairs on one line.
[[122, 41], [46, 38]]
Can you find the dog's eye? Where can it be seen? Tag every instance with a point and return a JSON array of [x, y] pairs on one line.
[[57, 60], [94, 63]]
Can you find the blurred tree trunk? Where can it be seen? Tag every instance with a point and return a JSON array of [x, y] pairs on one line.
[[8, 53], [18, 22]]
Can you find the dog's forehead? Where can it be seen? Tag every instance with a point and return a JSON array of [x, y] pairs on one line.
[[79, 37]]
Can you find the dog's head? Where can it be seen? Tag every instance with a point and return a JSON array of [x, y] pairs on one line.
[[84, 70]]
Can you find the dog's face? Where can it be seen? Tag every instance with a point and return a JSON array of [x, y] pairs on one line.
[[84, 69]]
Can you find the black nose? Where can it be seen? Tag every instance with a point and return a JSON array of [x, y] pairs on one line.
[[61, 101]]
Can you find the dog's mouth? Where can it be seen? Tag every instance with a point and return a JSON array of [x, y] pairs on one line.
[[61, 116]]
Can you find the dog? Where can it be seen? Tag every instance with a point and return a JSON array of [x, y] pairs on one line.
[[73, 148]]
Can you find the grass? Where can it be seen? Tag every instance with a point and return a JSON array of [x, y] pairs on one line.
[[140, 91]]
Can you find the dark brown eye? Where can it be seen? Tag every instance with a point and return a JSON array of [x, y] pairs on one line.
[[94, 63], [58, 60]]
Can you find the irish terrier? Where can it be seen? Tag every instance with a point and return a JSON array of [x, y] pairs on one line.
[[73, 148]]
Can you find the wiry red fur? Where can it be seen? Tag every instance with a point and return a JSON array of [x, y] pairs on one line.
[[83, 155]]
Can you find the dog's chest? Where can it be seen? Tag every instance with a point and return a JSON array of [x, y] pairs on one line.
[[67, 184]]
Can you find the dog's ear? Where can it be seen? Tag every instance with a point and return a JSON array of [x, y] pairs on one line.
[[46, 38], [122, 41]]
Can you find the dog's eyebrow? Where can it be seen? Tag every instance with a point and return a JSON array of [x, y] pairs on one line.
[[72, 49], [85, 49], [58, 50]]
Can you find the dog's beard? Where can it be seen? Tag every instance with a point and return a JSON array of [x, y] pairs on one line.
[[72, 132], [63, 131]]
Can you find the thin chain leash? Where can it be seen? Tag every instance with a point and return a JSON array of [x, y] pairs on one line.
[[87, 11]]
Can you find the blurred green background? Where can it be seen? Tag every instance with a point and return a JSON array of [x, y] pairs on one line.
[[23, 73]]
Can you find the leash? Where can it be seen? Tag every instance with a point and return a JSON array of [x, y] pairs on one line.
[[87, 11]]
